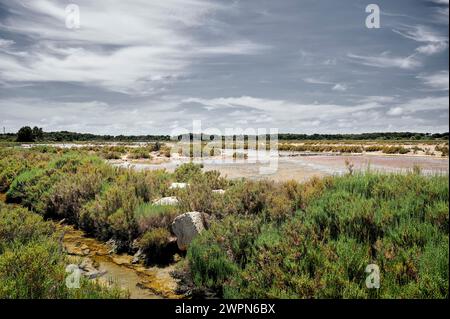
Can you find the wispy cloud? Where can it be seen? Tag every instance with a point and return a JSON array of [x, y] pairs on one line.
[[368, 114], [135, 47], [435, 42], [386, 61], [142, 66], [437, 81], [418, 105], [341, 87]]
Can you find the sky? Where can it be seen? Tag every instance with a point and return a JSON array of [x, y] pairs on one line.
[[152, 67]]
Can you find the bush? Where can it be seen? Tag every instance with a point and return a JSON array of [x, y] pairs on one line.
[[398, 222], [154, 244], [140, 153], [395, 150], [149, 216], [185, 172], [216, 255], [32, 262], [20, 226]]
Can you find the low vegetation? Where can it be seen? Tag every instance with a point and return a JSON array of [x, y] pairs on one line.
[[32, 262], [318, 246], [265, 240]]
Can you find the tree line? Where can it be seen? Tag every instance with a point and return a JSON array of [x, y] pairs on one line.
[[36, 134]]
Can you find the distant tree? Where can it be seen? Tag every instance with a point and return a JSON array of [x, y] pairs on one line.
[[38, 134], [25, 134]]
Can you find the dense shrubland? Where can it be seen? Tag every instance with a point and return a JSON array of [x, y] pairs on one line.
[[104, 201], [343, 224], [266, 239]]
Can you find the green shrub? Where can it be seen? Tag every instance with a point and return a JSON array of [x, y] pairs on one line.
[[185, 172], [140, 153], [149, 216], [32, 262], [396, 221], [216, 255], [19, 226], [154, 244]]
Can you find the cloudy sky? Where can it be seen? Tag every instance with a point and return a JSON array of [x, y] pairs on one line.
[[147, 66]]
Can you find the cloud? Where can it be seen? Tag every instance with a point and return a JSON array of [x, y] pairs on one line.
[[6, 43], [340, 87], [90, 116], [386, 61], [435, 42], [335, 86], [432, 48], [370, 114], [425, 104], [395, 111], [437, 81], [316, 81], [161, 116], [444, 2], [136, 47], [178, 60]]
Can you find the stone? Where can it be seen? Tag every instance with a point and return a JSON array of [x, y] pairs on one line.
[[89, 270], [186, 227], [169, 201], [178, 185], [218, 191]]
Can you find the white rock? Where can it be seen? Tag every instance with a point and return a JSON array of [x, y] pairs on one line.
[[178, 185], [186, 227], [219, 191], [169, 201]]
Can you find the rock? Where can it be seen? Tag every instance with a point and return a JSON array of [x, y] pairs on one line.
[[186, 227], [178, 185], [85, 250], [87, 265], [170, 201], [95, 274], [218, 191], [89, 270]]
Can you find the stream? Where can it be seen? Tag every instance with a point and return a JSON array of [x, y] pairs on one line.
[[140, 281]]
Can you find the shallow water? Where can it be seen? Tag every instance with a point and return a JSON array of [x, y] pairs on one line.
[[141, 282], [301, 167]]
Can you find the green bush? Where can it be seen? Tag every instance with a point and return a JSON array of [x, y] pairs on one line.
[[396, 221], [149, 216], [140, 153], [32, 262], [216, 255], [154, 244], [185, 172]]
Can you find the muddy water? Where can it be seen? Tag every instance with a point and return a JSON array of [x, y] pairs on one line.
[[141, 282]]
